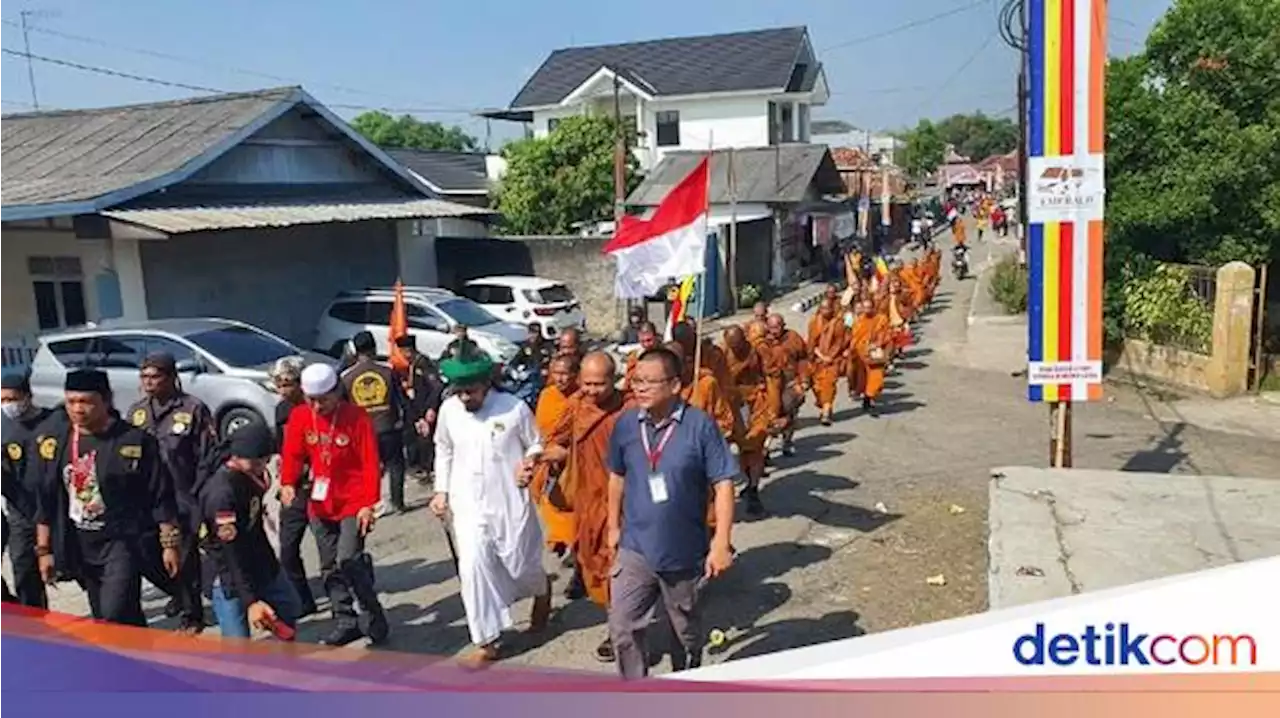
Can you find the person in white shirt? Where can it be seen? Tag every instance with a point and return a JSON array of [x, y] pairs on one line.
[[486, 440]]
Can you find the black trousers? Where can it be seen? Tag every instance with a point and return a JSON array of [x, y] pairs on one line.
[[184, 588], [27, 586], [293, 527], [346, 570], [111, 573], [391, 455], [420, 451]]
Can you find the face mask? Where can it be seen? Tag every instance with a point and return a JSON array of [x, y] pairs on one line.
[[15, 409]]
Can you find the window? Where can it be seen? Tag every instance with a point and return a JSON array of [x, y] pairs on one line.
[[352, 312], [555, 294], [668, 130], [465, 311], [774, 136], [71, 352], [419, 317], [787, 122], [552, 124], [58, 284], [378, 314], [242, 346], [179, 351], [119, 351]]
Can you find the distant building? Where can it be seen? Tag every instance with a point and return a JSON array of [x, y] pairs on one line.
[[880, 147], [743, 89]]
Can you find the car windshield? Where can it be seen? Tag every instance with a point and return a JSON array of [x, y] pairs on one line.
[[242, 346], [555, 294], [465, 311]]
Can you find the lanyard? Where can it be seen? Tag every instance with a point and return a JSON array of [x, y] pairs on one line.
[[655, 455], [325, 439]]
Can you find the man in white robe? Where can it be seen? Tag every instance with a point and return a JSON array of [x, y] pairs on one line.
[[486, 444]]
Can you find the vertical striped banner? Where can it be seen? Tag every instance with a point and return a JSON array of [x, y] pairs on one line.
[[1065, 188]]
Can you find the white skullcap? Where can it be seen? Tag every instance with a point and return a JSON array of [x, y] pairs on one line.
[[318, 380]]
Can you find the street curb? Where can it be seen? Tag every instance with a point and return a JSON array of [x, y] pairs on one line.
[[808, 303]]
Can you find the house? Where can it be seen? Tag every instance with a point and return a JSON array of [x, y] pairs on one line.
[[1000, 172], [743, 89], [462, 177], [779, 198], [880, 147], [256, 206], [863, 175]]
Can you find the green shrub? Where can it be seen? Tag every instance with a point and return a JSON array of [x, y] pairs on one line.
[[748, 295], [1009, 285], [1160, 306]]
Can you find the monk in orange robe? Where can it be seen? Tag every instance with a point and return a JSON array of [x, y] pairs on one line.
[[577, 448], [746, 370], [569, 343], [557, 521], [914, 282], [828, 354], [869, 354], [648, 335], [786, 365], [712, 357]]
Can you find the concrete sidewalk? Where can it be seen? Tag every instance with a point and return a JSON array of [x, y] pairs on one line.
[[1058, 532]]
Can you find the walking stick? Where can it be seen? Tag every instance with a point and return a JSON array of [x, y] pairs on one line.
[[448, 538]]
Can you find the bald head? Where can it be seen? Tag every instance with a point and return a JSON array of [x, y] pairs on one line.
[[735, 338], [564, 373], [760, 310], [597, 376], [775, 325]]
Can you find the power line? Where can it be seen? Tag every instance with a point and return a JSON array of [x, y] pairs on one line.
[[959, 70], [200, 88], [906, 26]]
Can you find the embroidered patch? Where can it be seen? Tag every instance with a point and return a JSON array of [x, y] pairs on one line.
[[179, 427], [131, 452], [499, 427], [312, 438], [182, 417], [14, 451], [225, 522], [139, 417], [48, 448], [342, 440]]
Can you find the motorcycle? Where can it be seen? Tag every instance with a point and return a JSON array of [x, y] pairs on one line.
[[522, 381], [960, 261]]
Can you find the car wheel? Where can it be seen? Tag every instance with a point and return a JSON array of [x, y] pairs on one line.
[[236, 418]]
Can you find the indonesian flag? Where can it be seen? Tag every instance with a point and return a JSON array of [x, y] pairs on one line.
[[650, 252]]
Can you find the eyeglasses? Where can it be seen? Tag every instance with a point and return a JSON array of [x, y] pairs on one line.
[[650, 383]]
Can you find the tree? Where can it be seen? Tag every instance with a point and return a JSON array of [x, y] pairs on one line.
[[556, 183], [978, 136], [1193, 154], [925, 149], [411, 133]]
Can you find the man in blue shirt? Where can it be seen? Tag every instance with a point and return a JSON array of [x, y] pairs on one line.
[[666, 461]]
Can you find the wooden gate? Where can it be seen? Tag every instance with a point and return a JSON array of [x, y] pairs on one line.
[[1263, 351]]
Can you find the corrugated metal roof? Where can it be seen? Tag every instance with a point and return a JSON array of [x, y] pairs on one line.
[[729, 62], [75, 155], [179, 220], [771, 175]]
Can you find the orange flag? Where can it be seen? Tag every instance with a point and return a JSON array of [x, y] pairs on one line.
[[399, 327]]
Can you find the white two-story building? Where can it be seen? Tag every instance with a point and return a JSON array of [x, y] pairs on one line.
[[744, 89]]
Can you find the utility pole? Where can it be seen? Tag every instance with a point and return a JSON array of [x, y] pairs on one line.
[[619, 155], [31, 71]]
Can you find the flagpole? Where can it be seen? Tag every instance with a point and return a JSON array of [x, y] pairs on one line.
[[702, 282]]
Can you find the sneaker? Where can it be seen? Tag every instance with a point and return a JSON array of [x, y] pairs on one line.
[[342, 634], [382, 510], [604, 651], [379, 631]]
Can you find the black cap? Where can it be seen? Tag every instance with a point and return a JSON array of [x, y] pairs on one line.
[[16, 381], [251, 441], [92, 380], [407, 341], [363, 342], [161, 361]]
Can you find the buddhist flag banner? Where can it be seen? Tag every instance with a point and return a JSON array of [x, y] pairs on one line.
[[672, 243], [681, 303], [1065, 192]]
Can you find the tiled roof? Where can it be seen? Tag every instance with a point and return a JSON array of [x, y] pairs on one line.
[[756, 60], [450, 172]]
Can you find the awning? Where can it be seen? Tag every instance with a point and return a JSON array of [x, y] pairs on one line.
[[177, 220], [722, 215]]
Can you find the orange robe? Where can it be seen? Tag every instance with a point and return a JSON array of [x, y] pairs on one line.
[[632, 359], [828, 351], [557, 521], [747, 373], [866, 369], [786, 365], [707, 395], [583, 430]]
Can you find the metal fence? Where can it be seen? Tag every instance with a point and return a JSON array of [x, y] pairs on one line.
[[1173, 306]]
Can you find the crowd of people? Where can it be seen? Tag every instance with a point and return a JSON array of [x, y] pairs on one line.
[[626, 473]]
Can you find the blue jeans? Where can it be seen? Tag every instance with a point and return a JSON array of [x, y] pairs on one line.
[[232, 618]]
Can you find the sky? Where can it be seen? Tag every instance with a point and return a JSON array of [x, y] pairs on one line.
[[443, 60]]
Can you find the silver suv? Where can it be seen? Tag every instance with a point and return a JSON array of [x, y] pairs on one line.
[[221, 362]]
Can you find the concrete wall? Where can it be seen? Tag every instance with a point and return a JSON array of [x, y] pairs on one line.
[[1167, 364], [98, 258], [576, 261], [277, 279]]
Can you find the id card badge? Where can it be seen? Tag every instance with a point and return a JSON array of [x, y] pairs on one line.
[[320, 488], [658, 488]]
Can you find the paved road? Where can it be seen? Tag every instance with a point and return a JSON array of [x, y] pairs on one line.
[[868, 510]]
